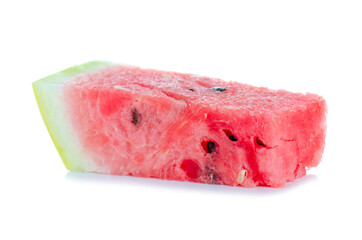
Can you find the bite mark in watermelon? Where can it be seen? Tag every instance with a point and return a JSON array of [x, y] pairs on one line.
[[124, 120]]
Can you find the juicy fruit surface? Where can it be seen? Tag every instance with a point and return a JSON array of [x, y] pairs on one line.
[[198, 89], [167, 125]]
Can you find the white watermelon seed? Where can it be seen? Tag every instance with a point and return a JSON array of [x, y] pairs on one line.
[[241, 176]]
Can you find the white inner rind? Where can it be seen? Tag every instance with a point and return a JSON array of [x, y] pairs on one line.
[[51, 101]]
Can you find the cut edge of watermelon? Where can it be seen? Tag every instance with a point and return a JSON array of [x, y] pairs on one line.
[[49, 96]]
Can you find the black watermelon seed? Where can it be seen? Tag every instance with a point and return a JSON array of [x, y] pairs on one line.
[[211, 147], [135, 117], [232, 138], [259, 142], [192, 90], [220, 89], [230, 135]]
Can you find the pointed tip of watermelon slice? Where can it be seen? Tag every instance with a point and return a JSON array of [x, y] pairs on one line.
[[48, 93]]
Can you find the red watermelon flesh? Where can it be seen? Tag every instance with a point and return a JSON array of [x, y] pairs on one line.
[[148, 123]]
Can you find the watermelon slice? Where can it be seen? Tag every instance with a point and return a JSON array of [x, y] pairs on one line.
[[124, 120]]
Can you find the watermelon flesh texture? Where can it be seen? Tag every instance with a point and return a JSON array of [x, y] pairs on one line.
[[124, 120]]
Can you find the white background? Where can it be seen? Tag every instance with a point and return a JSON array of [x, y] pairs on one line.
[[305, 46]]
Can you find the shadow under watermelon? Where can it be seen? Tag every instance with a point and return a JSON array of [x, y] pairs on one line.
[[95, 178]]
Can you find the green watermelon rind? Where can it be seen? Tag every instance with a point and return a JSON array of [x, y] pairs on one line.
[[49, 96]]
